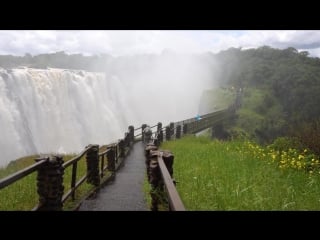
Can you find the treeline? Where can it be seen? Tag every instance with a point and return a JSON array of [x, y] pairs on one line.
[[56, 60], [281, 92]]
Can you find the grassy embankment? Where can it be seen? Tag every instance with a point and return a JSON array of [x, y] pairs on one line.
[[240, 175]]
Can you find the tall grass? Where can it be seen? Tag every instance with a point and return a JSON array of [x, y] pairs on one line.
[[214, 175]]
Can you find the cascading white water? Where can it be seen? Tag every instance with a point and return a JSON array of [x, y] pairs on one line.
[[59, 110], [56, 110]]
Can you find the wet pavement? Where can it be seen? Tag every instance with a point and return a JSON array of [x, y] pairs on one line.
[[125, 193]]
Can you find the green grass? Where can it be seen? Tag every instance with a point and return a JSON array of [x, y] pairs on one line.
[[82, 189], [146, 190], [214, 175], [163, 204]]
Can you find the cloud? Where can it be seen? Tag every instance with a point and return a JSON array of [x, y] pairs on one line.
[[132, 42]]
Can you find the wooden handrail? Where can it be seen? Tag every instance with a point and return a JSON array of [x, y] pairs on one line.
[[173, 196], [21, 174], [77, 158]]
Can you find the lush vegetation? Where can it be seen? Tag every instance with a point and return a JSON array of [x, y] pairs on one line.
[[240, 175], [279, 89]]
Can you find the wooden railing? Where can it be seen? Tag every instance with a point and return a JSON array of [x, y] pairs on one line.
[[175, 203], [160, 172], [101, 167], [51, 169], [160, 163], [21, 174]]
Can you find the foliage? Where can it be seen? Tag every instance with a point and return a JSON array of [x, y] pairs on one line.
[[285, 143], [280, 91], [308, 134]]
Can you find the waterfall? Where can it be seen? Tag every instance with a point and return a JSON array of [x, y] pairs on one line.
[[56, 111], [61, 111]]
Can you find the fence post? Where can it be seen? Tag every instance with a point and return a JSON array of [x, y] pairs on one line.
[[147, 152], [171, 129], [111, 159], [121, 148], [93, 165], [131, 132], [168, 158], [178, 132], [143, 126], [50, 184], [160, 136], [126, 140], [154, 176], [159, 126], [185, 128], [168, 135], [159, 133]]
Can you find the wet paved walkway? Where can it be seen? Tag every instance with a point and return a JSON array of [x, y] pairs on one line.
[[125, 193]]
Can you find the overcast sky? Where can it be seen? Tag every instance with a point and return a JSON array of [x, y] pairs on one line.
[[118, 43]]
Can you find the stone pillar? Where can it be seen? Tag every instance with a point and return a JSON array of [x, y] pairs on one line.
[[50, 184], [93, 165]]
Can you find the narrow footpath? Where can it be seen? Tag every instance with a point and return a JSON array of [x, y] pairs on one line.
[[125, 193]]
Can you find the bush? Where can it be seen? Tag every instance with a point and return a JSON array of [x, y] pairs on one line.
[[286, 143], [309, 135]]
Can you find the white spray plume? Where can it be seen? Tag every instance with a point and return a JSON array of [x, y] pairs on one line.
[[58, 110]]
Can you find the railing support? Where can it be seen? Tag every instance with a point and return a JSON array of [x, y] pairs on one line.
[[50, 184], [131, 133], [160, 136], [93, 165], [143, 126], [121, 148], [168, 133], [171, 129], [154, 177], [126, 140], [159, 126], [185, 128], [111, 159], [148, 150], [178, 132]]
